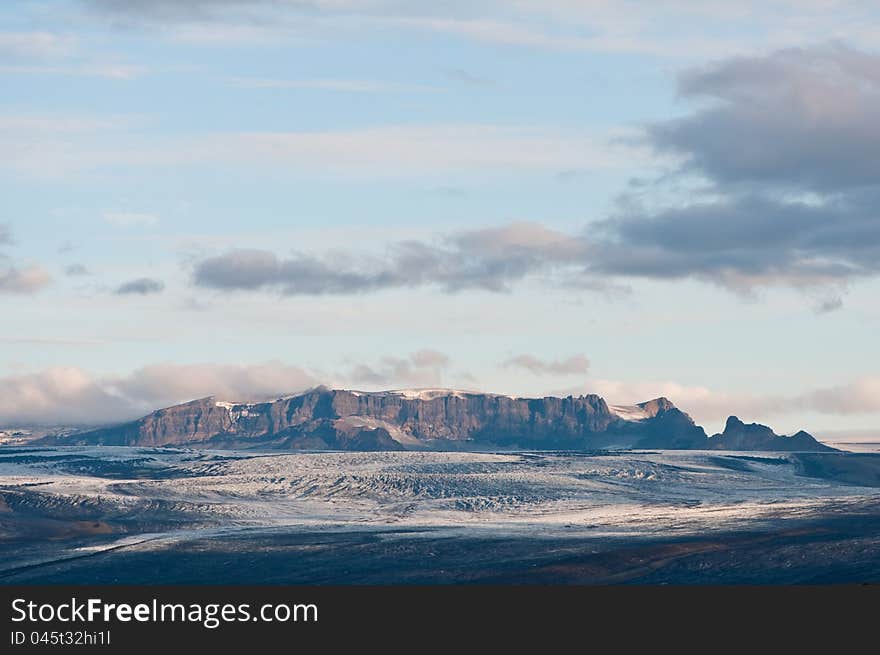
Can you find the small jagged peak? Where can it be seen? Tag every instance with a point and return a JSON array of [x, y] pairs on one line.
[[657, 406], [733, 423]]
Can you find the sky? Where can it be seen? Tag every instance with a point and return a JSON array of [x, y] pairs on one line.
[[250, 198]]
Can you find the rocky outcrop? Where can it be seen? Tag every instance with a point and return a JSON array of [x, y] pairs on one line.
[[438, 419], [754, 436], [665, 426]]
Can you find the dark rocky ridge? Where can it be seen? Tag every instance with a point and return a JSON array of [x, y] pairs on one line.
[[754, 436], [435, 420]]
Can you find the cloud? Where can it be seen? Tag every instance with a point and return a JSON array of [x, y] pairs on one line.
[[19, 278], [367, 152], [500, 31], [50, 53], [58, 395], [574, 365], [165, 384], [429, 359], [76, 270], [105, 70], [741, 243], [745, 241], [33, 126], [36, 45], [490, 259], [421, 368], [346, 86], [239, 269], [702, 29], [142, 286], [787, 155], [130, 219], [779, 161], [861, 396], [72, 396], [712, 406], [24, 280], [68, 395], [828, 305], [468, 78], [802, 118], [175, 10]]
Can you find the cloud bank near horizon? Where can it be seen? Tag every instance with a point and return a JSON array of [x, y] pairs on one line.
[[73, 396]]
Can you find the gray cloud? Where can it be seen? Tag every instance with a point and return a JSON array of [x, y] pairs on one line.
[[142, 286], [746, 241], [488, 259], [76, 270], [574, 365], [421, 368], [5, 234], [804, 118], [828, 305], [788, 153], [465, 77], [239, 269]]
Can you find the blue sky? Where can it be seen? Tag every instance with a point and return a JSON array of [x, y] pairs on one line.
[[248, 198]]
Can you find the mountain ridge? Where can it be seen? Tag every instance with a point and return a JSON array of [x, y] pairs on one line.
[[429, 419], [738, 435]]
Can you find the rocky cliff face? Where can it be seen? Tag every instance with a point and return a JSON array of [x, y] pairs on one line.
[[333, 419], [423, 419], [754, 436]]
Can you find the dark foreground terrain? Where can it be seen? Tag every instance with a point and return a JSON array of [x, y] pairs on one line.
[[839, 549]]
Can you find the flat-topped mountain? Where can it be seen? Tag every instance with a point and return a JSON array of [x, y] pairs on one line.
[[420, 419]]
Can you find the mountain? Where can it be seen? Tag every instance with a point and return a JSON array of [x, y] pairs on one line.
[[658, 424], [754, 436], [420, 419]]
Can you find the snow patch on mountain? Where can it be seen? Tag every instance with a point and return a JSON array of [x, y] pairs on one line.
[[629, 412]]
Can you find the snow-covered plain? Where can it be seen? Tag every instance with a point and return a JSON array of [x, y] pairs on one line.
[[638, 493]]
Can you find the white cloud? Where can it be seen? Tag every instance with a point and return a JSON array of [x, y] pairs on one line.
[[384, 151], [497, 31], [348, 86], [682, 28], [861, 396], [37, 45], [69, 395], [706, 405], [109, 71], [37, 125]]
